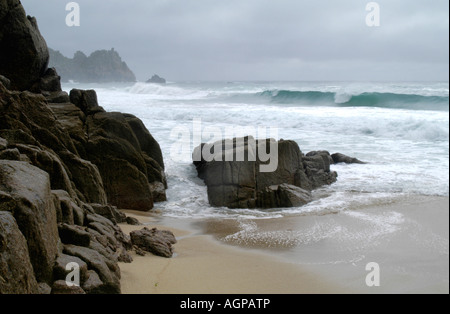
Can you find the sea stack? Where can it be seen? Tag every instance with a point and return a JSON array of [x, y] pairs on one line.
[[156, 79]]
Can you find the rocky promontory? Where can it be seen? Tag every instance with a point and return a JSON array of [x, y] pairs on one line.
[[66, 166], [101, 66]]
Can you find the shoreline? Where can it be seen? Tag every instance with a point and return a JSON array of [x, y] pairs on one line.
[[203, 265], [411, 247]]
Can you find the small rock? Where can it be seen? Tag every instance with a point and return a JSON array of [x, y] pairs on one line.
[[341, 158], [61, 287], [158, 242], [93, 284], [132, 221], [71, 234], [124, 257], [44, 288]]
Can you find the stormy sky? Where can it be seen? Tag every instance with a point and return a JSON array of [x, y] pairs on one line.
[[258, 39]]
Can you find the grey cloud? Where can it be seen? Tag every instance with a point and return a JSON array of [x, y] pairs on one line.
[[258, 39]]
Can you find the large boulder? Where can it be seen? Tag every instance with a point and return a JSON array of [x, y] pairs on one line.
[[239, 172], [114, 148], [16, 271], [31, 204], [24, 54]]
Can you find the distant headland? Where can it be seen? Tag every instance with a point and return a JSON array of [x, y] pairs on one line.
[[101, 66]]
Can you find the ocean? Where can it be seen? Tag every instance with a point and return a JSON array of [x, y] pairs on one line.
[[401, 131]]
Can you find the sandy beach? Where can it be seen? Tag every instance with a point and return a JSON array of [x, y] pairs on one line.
[[203, 265], [301, 254]]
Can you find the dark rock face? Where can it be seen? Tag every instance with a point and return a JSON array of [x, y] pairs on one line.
[[242, 184], [31, 203], [24, 54], [94, 155], [156, 79], [101, 66], [5, 81], [114, 148], [283, 195], [49, 82], [86, 101], [15, 264], [56, 191], [158, 242]]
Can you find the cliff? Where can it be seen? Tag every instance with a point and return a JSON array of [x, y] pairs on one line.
[[66, 165], [100, 67]]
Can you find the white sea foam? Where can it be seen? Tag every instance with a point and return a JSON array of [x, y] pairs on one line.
[[407, 150]]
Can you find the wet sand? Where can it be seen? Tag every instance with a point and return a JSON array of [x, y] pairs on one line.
[[408, 239], [202, 265]]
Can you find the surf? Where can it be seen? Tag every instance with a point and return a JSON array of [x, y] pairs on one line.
[[366, 99]]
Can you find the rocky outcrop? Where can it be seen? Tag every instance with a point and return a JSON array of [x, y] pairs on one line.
[[95, 155], [156, 79], [128, 158], [158, 242], [101, 66], [58, 154], [23, 54], [41, 224], [242, 184]]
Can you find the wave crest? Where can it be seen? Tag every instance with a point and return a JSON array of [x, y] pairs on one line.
[[382, 100]]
